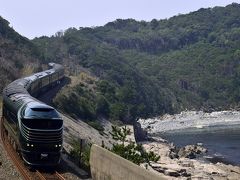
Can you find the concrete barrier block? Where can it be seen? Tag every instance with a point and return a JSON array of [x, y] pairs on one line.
[[106, 165]]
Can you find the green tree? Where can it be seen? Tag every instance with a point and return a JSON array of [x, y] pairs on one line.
[[117, 111], [102, 106], [132, 151], [120, 134]]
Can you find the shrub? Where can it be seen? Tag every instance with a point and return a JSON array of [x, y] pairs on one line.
[[81, 152], [132, 151], [96, 125]]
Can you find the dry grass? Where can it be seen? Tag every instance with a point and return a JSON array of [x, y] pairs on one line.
[[85, 79], [28, 69]]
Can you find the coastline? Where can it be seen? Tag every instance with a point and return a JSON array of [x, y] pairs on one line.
[[190, 119], [176, 166]]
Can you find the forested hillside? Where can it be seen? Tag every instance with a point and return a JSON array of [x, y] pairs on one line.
[[143, 68], [18, 55]]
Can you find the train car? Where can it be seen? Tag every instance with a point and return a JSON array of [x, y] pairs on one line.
[[34, 129]]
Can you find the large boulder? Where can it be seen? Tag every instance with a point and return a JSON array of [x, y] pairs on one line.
[[139, 133], [190, 151]]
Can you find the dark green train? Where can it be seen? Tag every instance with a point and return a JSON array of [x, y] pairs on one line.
[[34, 129]]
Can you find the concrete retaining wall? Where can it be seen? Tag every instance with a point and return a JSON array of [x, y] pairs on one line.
[[106, 165]]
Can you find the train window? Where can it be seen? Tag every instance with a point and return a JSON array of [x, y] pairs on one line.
[[45, 81], [42, 123], [54, 76], [41, 112], [34, 86]]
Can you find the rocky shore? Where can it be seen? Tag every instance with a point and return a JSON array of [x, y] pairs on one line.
[[182, 163], [189, 119]]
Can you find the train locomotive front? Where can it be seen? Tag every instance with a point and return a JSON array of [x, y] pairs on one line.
[[34, 129], [40, 135]]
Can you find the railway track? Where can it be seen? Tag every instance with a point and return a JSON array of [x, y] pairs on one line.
[[19, 164], [60, 177], [8, 148], [52, 175]]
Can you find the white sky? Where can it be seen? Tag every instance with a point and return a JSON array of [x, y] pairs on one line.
[[34, 18]]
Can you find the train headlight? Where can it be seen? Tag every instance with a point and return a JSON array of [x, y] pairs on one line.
[[59, 145], [28, 145], [56, 145], [31, 145]]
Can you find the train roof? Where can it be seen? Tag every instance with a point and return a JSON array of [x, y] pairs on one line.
[[36, 109], [16, 87], [39, 75], [39, 105], [55, 67], [17, 91], [20, 85]]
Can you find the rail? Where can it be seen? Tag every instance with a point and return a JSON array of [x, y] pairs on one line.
[[13, 155], [49, 175]]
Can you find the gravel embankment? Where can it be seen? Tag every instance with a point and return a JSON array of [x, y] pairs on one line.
[[79, 129], [7, 169]]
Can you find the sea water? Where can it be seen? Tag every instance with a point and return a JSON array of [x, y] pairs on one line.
[[222, 142]]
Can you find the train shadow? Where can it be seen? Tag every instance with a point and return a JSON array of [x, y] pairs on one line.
[[48, 95]]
